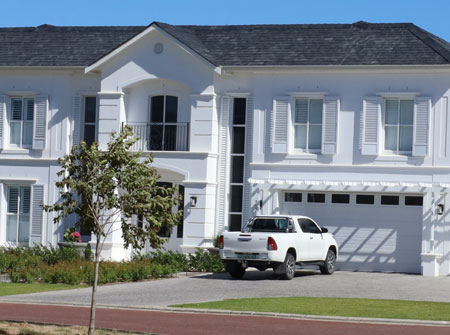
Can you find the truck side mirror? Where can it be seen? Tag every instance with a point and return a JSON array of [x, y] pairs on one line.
[[324, 230]]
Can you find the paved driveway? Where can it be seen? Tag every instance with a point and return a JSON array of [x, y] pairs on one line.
[[208, 287]]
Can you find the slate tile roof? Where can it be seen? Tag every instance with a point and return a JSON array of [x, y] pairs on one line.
[[360, 43]]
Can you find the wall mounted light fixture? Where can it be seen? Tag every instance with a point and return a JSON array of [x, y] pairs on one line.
[[193, 201], [440, 209]]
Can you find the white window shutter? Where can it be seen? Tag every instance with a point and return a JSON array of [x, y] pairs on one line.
[[37, 200], [421, 126], [280, 116], [330, 125], [225, 103], [371, 123], [2, 116], [76, 112], [40, 122]]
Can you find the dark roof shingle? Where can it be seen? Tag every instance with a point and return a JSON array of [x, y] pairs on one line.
[[360, 43]]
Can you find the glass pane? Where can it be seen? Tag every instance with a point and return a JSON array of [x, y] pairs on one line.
[[389, 200], [13, 200], [413, 201], [90, 110], [89, 134], [25, 196], [406, 138], [170, 138], [27, 135], [171, 108], [292, 197], [156, 136], [300, 137], [316, 197], [238, 140], [315, 112], [235, 222], [16, 107], [15, 133], [239, 110], [11, 228], [390, 141], [315, 137], [237, 169], [362, 199], [301, 111], [236, 198], [406, 112], [24, 228], [157, 109], [340, 198], [29, 113], [391, 112]]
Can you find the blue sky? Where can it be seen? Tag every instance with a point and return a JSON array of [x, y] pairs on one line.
[[432, 15]]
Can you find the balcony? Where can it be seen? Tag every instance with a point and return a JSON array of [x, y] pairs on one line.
[[157, 136]]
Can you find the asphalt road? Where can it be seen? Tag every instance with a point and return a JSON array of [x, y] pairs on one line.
[[210, 287], [200, 324]]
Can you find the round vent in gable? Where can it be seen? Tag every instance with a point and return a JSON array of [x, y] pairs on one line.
[[158, 48]]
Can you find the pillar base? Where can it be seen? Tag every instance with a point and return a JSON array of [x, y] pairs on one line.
[[430, 264]]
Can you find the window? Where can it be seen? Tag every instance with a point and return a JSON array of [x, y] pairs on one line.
[[21, 122], [308, 226], [364, 199], [163, 123], [18, 214], [90, 120], [390, 200], [274, 225], [237, 163], [340, 198], [413, 201], [398, 126], [316, 197], [292, 197], [181, 208], [164, 230], [308, 124]]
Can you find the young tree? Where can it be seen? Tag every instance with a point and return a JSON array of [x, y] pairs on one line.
[[105, 188]]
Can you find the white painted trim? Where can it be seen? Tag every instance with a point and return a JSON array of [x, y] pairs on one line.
[[238, 94], [153, 27], [198, 182], [99, 94], [331, 166], [21, 93], [18, 180], [398, 95], [308, 94]]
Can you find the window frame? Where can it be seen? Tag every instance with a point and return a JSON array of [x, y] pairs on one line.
[[163, 123], [23, 98], [397, 126], [83, 117], [308, 124]]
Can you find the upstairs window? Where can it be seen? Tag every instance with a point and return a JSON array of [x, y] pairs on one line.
[[398, 126], [163, 123], [308, 124], [90, 120], [21, 122]]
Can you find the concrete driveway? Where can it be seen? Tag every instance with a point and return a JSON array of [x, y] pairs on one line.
[[209, 287]]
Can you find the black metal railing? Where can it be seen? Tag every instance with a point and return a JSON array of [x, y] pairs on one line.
[[156, 136]]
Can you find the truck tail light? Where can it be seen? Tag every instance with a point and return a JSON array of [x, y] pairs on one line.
[[271, 244], [220, 244]]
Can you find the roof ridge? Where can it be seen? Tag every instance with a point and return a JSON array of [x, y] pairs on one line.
[[430, 40]]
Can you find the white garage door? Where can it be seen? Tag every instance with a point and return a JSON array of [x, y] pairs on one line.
[[375, 232]]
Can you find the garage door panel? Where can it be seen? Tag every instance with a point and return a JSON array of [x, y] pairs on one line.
[[370, 237]]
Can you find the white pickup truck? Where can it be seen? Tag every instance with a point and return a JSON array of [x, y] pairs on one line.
[[279, 242]]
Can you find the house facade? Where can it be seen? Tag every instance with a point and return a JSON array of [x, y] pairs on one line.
[[348, 124]]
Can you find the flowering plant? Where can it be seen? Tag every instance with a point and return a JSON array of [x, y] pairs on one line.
[[72, 236]]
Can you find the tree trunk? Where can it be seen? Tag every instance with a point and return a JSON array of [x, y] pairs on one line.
[[94, 286]]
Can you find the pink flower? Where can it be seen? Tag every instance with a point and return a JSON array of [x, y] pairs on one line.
[[76, 235]]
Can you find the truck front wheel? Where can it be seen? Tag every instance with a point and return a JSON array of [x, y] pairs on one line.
[[235, 270], [329, 265]]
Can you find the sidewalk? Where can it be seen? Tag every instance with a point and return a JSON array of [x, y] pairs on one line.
[[160, 322]]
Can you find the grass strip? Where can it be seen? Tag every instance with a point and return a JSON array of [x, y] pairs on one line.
[[23, 288], [349, 307]]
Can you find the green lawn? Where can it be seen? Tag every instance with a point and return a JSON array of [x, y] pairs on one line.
[[22, 288], [368, 308]]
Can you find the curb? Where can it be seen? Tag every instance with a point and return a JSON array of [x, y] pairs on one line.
[[400, 322]]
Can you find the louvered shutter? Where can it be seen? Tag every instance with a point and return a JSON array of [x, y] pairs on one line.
[[330, 125], [2, 116], [40, 122], [246, 208], [76, 112], [37, 199], [421, 126], [279, 125], [371, 120], [223, 156]]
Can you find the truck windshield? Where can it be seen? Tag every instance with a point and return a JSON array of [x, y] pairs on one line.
[[270, 224]]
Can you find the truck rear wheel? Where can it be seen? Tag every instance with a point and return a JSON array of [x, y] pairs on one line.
[[287, 270], [235, 270]]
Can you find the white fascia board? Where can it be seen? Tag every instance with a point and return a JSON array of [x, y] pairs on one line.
[[141, 35]]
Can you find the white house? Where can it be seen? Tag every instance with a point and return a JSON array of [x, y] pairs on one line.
[[348, 124]]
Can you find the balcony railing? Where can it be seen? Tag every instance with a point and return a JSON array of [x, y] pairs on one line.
[[161, 136]]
